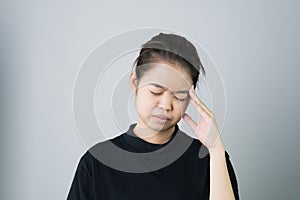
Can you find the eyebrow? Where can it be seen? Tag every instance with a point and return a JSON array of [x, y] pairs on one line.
[[160, 86]]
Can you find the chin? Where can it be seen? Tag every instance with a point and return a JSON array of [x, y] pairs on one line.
[[160, 127]]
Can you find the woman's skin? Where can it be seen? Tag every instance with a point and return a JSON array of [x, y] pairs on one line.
[[162, 96], [208, 133]]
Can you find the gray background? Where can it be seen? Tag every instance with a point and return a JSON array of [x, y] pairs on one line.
[[255, 45]]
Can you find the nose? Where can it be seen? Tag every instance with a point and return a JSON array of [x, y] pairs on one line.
[[165, 101]]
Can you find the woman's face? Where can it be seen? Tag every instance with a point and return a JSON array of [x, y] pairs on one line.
[[161, 96]]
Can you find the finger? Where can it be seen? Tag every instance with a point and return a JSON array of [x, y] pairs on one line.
[[194, 127], [197, 100], [190, 121], [199, 109]]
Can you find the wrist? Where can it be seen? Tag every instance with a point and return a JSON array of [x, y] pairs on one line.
[[218, 150]]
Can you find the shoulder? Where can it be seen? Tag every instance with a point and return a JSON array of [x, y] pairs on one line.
[[196, 149], [88, 156], [105, 145], [96, 152]]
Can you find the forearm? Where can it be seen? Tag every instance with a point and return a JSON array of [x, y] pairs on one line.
[[220, 185]]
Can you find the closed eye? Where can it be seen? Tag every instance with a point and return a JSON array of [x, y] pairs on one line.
[[156, 93], [179, 99], [160, 93]]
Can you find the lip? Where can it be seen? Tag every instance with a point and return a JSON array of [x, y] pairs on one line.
[[161, 118]]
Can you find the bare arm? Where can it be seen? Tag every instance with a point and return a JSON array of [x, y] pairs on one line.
[[208, 133], [220, 185]]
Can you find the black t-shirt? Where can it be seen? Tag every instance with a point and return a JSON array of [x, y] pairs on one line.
[[186, 178]]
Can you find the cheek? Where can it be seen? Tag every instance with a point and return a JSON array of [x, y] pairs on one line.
[[145, 99], [183, 106], [144, 102]]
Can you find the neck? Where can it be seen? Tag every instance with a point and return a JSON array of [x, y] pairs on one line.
[[153, 136]]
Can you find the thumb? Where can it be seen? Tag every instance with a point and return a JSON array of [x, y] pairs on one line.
[[192, 124]]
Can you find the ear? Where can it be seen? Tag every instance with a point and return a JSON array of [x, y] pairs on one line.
[[133, 82]]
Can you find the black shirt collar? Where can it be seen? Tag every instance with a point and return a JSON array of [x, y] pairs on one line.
[[138, 145]]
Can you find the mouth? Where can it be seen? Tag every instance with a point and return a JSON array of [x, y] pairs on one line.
[[160, 118]]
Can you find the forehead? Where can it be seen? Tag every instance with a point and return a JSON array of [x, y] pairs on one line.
[[166, 75]]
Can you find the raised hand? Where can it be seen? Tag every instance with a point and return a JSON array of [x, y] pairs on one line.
[[206, 129]]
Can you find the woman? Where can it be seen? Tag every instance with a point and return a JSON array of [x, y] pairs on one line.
[[163, 82]]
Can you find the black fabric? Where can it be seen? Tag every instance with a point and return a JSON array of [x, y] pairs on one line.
[[186, 179]]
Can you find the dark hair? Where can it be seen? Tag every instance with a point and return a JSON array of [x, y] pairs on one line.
[[170, 48]]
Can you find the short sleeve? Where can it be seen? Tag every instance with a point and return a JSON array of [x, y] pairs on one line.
[[232, 176], [81, 187]]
